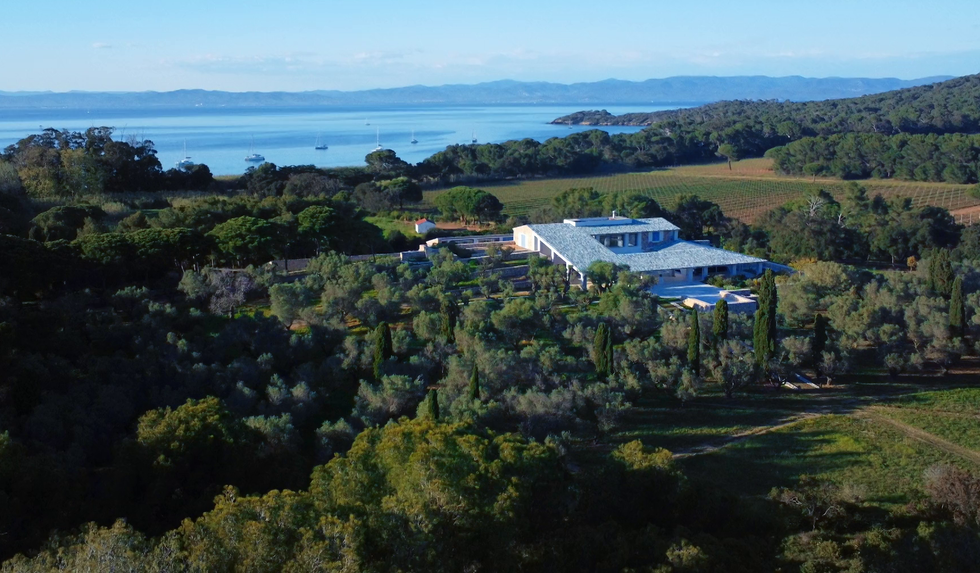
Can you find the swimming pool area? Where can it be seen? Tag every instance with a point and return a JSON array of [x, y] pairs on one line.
[[704, 296]]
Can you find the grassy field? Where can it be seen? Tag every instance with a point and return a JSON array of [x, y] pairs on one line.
[[953, 415], [745, 192], [763, 439], [844, 449], [387, 224]]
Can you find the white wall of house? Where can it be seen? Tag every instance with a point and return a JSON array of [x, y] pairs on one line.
[[424, 227]]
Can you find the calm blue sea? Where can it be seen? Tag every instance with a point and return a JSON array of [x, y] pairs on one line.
[[221, 138]]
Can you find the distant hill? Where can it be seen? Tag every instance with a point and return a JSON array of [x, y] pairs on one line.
[[682, 90], [951, 106]]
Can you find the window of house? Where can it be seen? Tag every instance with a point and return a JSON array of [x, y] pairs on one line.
[[631, 240], [655, 236]]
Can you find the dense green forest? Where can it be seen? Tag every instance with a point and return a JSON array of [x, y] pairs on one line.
[[953, 158]]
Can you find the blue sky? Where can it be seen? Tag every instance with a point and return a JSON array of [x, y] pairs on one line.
[[241, 45]]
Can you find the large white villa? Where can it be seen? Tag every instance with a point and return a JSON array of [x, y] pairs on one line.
[[646, 246]]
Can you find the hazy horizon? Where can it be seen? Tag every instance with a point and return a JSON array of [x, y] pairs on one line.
[[307, 45]]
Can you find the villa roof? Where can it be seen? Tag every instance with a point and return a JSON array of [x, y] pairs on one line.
[[577, 245], [420, 221]]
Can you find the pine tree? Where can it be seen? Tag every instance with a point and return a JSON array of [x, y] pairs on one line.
[[694, 343], [957, 310], [434, 404], [450, 314], [382, 348], [719, 328], [599, 353], [475, 383]]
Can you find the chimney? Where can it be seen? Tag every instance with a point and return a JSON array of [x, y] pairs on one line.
[[614, 214]]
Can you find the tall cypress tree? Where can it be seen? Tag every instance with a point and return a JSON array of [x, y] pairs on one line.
[[450, 314], [434, 404], [382, 348], [941, 272], [719, 327], [764, 329], [475, 383], [820, 323], [610, 363], [694, 343], [599, 352], [957, 310], [771, 315]]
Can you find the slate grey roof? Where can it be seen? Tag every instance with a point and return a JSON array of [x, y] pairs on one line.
[[577, 246]]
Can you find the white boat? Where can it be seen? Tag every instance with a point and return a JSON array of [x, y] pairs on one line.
[[186, 162], [319, 146], [474, 138], [378, 148], [414, 141], [253, 157]]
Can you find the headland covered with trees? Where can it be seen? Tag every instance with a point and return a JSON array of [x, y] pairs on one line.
[[169, 401]]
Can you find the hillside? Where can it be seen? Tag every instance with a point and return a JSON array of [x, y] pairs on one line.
[[944, 107], [680, 90]]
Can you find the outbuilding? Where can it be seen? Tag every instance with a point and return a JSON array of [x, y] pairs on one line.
[[423, 226]]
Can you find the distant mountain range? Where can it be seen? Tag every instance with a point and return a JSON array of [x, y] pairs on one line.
[[674, 90]]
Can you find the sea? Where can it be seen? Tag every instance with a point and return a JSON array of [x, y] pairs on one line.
[[222, 137]]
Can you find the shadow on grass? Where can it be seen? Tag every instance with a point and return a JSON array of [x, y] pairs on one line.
[[762, 462]]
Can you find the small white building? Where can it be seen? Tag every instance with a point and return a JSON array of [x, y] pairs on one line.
[[423, 226], [645, 246]]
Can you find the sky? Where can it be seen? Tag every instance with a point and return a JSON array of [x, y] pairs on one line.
[[249, 45]]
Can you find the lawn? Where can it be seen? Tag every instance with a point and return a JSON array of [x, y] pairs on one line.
[[388, 224], [745, 192]]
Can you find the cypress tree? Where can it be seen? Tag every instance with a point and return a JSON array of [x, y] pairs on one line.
[[475, 383], [610, 363], [599, 354], [450, 314], [434, 405], [957, 310], [382, 348], [820, 324], [764, 329], [819, 336], [719, 328], [758, 333], [941, 273], [694, 343]]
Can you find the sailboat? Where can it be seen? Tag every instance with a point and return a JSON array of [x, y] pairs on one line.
[[378, 148], [186, 161], [253, 157], [414, 141], [474, 137], [366, 122], [319, 146]]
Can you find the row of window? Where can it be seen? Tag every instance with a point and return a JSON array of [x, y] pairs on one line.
[[628, 239]]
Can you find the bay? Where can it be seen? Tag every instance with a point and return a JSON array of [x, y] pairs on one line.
[[222, 137]]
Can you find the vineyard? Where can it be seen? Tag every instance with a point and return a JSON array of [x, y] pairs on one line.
[[745, 192]]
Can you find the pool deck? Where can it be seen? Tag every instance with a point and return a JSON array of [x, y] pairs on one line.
[[704, 296]]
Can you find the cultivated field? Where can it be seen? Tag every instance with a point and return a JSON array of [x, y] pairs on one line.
[[745, 192]]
